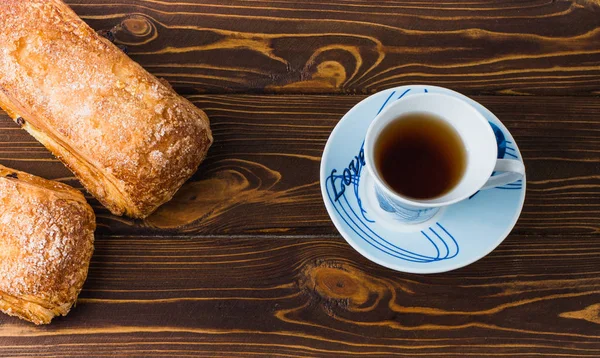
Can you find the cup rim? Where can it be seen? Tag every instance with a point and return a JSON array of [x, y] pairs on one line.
[[369, 155]]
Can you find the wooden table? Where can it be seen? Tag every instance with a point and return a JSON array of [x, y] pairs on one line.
[[245, 260]]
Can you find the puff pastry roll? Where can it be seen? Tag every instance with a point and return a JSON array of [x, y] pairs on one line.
[[129, 138], [46, 243]]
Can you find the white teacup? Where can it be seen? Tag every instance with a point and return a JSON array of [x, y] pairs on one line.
[[481, 150]]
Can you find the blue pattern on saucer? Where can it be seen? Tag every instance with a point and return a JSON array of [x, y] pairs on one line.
[[458, 236]]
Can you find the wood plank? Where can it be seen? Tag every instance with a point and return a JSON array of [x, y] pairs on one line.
[[480, 47], [298, 297], [261, 175]]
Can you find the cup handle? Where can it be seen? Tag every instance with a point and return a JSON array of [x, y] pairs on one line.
[[512, 169]]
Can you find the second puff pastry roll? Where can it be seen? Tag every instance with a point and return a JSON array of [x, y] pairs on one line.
[[46, 243], [129, 138]]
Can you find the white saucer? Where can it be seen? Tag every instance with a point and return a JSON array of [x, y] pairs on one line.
[[457, 236]]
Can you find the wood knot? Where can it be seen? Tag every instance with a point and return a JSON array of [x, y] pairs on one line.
[[132, 31], [338, 284], [328, 75], [341, 283], [138, 26], [333, 70]]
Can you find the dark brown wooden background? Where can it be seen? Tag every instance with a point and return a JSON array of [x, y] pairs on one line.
[[245, 261]]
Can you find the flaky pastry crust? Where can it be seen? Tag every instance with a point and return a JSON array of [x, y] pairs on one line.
[[129, 138], [46, 243]]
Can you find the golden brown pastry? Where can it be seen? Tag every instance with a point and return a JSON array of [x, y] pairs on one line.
[[46, 243], [129, 138]]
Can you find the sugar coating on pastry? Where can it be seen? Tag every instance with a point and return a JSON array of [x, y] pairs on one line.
[[130, 139], [46, 243]]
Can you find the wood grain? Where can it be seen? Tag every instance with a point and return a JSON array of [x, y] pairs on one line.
[[307, 297], [261, 175], [245, 262], [543, 47]]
